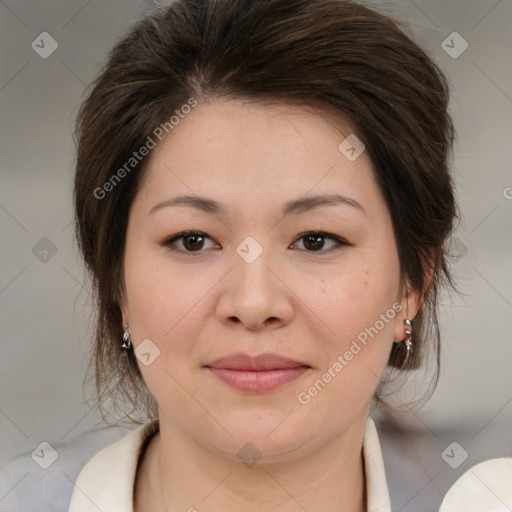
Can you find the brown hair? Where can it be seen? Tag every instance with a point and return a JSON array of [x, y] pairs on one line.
[[335, 55]]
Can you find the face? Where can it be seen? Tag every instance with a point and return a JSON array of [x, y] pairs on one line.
[[316, 283]]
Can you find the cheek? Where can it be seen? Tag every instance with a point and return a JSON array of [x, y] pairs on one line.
[[165, 306], [161, 297], [359, 305], [353, 298]]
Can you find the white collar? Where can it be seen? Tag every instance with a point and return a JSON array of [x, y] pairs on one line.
[[106, 482]]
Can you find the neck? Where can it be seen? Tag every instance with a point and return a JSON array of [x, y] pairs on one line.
[[330, 478]]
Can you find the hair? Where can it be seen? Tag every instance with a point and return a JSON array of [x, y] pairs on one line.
[[336, 56]]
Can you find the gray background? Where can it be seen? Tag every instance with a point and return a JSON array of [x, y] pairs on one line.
[[45, 308]]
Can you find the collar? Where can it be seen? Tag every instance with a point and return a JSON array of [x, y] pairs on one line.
[[106, 482]]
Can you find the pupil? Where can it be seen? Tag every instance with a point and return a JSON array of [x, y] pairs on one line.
[[316, 240], [193, 245]]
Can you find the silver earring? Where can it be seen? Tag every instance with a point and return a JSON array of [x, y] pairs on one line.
[[127, 344], [408, 338]]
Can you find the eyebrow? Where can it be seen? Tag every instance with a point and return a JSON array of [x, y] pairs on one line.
[[295, 206]]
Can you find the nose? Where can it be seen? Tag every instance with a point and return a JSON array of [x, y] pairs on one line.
[[256, 295]]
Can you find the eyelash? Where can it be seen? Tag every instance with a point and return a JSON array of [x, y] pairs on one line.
[[168, 242]]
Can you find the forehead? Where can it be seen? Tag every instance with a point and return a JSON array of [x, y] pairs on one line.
[[262, 151]]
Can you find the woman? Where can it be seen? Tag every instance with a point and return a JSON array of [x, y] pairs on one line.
[[263, 200]]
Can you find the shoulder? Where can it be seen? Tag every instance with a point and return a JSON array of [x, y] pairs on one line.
[[42, 478], [377, 493], [106, 481], [486, 487], [420, 479]]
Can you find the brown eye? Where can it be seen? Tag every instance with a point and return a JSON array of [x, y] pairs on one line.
[[314, 241], [194, 242], [191, 241]]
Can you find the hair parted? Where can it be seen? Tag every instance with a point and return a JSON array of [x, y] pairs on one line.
[[336, 56]]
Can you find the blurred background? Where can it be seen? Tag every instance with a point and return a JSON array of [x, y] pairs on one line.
[[50, 51]]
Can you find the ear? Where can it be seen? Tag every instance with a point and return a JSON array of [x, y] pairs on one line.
[[124, 317], [121, 302], [411, 302]]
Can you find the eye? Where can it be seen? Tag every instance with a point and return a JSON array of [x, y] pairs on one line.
[[314, 241], [192, 241]]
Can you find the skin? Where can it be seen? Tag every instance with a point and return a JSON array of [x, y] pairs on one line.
[[307, 305]]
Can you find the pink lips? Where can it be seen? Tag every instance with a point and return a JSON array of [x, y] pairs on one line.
[[258, 374]]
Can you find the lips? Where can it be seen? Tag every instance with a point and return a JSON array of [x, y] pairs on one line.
[[256, 374], [261, 362]]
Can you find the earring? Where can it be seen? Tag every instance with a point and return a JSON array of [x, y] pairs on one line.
[[408, 338], [127, 344]]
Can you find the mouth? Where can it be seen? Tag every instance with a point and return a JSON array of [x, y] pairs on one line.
[[257, 374]]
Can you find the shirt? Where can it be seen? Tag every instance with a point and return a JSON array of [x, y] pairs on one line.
[[107, 481], [44, 478]]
